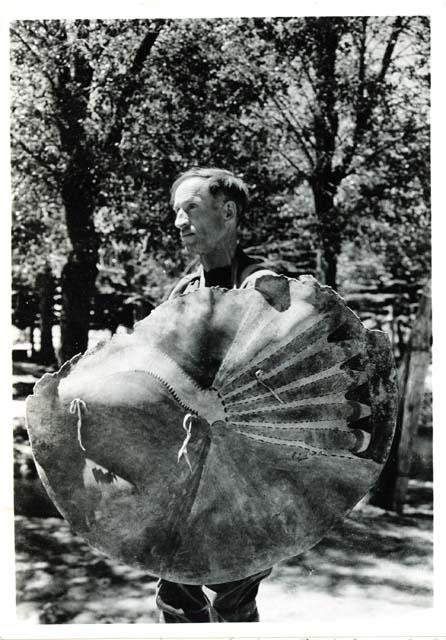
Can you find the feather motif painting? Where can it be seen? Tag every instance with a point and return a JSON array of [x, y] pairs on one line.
[[231, 430]]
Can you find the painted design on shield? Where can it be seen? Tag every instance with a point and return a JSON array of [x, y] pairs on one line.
[[231, 430]]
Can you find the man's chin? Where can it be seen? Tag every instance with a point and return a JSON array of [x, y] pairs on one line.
[[191, 248], [190, 242]]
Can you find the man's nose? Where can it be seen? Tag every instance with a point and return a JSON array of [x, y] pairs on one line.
[[182, 219]]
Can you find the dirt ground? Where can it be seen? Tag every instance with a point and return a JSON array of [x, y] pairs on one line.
[[375, 562]]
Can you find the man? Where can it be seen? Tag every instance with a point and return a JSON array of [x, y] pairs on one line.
[[208, 204]]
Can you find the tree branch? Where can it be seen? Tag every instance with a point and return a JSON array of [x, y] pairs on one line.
[[397, 28], [297, 133], [37, 158], [391, 142], [360, 100], [366, 104], [296, 122], [300, 173], [123, 102], [297, 148], [301, 84], [35, 55]]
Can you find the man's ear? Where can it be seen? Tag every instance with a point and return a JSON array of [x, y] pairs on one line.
[[230, 210]]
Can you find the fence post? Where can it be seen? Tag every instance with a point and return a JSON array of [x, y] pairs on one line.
[[392, 487]]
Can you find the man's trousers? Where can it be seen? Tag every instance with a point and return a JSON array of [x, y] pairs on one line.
[[233, 601]]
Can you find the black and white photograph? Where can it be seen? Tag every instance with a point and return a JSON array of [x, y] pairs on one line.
[[221, 321]]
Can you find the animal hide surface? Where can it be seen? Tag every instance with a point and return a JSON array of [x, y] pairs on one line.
[[231, 430]]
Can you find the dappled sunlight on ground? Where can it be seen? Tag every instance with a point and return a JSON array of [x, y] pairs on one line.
[[60, 579], [376, 562]]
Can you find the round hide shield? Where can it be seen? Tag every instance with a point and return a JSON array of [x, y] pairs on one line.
[[231, 430]]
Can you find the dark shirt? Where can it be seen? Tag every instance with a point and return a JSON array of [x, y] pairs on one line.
[[234, 275]]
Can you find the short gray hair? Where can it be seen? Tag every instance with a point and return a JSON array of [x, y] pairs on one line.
[[219, 181]]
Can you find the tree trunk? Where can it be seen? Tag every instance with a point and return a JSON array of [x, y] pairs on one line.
[[31, 339], [45, 286], [327, 33], [392, 488], [80, 271], [87, 164], [331, 269], [78, 278], [328, 229]]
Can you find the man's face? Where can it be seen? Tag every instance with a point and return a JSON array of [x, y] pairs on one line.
[[199, 216]]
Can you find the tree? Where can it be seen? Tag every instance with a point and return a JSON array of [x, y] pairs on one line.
[[351, 90], [64, 63], [326, 120], [39, 245], [195, 119]]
